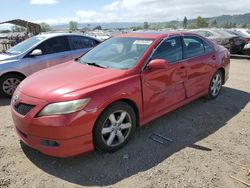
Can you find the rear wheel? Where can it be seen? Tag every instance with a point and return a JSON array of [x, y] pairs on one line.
[[215, 85], [114, 127], [9, 83]]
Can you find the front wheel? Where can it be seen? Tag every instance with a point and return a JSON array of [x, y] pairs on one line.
[[215, 85], [9, 83], [114, 127]]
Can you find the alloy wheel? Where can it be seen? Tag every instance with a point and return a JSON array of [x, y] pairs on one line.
[[10, 85], [116, 128], [216, 84]]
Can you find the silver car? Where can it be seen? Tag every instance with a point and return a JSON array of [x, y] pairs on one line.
[[39, 52]]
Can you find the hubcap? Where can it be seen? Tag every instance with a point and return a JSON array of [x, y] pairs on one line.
[[10, 85], [216, 85], [116, 128]]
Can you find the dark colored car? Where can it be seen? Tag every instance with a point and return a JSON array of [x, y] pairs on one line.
[[233, 43], [245, 36]]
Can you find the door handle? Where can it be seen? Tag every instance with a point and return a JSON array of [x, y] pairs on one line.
[[182, 67], [213, 57], [64, 56]]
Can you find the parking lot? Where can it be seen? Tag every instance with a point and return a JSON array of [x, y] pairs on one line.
[[210, 144]]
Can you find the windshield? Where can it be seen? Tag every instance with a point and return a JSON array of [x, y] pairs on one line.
[[25, 45], [117, 53], [224, 33]]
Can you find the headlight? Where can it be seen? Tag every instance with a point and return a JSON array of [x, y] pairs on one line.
[[64, 107]]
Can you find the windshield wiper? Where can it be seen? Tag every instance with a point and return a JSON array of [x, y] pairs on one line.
[[97, 65]]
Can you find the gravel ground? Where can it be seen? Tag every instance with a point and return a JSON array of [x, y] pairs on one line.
[[210, 144]]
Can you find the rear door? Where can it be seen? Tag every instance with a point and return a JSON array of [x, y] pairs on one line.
[[80, 45], [55, 51], [199, 59], [164, 88]]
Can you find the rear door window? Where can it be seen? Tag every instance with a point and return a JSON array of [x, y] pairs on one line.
[[54, 45], [208, 47], [170, 49], [78, 42], [193, 46]]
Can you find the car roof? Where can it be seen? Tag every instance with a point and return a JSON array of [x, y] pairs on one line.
[[50, 35], [154, 34]]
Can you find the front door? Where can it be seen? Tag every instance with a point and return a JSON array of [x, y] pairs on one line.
[[164, 88], [54, 51]]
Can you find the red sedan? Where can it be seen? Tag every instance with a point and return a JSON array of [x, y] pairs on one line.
[[125, 82]]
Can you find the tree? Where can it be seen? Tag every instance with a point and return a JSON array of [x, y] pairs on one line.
[[229, 25], [5, 31], [244, 25], [214, 23], [73, 26], [16, 28], [45, 27], [145, 25], [98, 28], [185, 21], [201, 22]]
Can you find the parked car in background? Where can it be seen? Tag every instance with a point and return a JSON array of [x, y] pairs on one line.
[[245, 35], [125, 81], [232, 42], [39, 52]]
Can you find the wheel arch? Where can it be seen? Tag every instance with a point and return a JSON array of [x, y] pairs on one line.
[[129, 102], [13, 72], [223, 73]]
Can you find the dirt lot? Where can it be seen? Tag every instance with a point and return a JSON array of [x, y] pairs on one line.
[[210, 143]]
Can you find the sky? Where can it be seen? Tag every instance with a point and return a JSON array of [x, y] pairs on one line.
[[91, 11]]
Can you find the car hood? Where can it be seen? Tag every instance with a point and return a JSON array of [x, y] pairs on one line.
[[5, 57], [60, 81]]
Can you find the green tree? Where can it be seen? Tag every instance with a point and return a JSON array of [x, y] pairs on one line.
[[5, 31], [16, 28], [45, 27], [192, 26], [214, 23], [229, 25], [98, 28], [201, 22], [185, 22], [73, 26], [145, 25]]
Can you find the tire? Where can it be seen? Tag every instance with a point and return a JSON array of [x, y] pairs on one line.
[[114, 128], [215, 85], [9, 83]]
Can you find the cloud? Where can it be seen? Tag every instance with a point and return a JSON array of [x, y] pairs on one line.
[[43, 2], [157, 10], [55, 21]]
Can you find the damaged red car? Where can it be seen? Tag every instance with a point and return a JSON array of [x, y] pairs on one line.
[[98, 100]]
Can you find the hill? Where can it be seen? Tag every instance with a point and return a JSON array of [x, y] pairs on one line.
[[238, 20]]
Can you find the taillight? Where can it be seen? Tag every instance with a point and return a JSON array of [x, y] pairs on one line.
[[247, 40]]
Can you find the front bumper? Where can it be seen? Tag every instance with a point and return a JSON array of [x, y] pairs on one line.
[[72, 132], [66, 148]]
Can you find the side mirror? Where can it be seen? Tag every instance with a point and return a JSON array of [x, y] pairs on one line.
[[158, 64], [36, 52]]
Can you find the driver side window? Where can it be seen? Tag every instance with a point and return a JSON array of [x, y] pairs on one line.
[[170, 50], [54, 45]]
